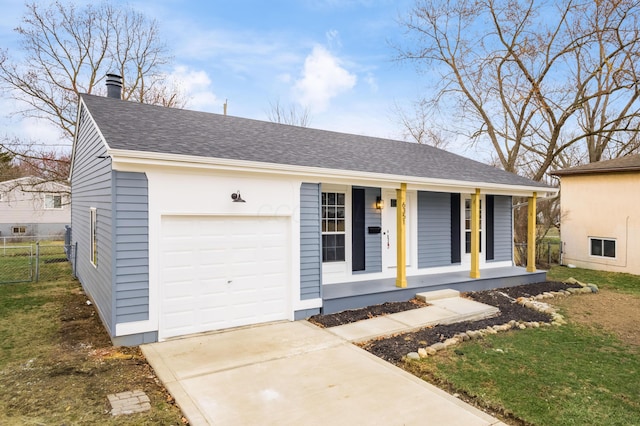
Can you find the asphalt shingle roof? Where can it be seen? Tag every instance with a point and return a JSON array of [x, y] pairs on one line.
[[623, 164], [141, 127]]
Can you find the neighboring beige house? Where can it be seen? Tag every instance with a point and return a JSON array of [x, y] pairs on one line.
[[600, 221], [30, 206]]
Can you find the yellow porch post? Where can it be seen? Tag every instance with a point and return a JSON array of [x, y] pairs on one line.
[[531, 234], [401, 266], [475, 235]]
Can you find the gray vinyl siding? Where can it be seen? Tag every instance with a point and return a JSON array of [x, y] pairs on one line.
[[310, 242], [502, 229], [91, 187], [372, 242], [131, 253], [434, 229]]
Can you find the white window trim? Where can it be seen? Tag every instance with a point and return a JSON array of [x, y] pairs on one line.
[[53, 196], [464, 256], [323, 233], [93, 236], [603, 239], [13, 229]]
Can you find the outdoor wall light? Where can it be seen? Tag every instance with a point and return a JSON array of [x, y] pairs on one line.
[[237, 198], [379, 203]]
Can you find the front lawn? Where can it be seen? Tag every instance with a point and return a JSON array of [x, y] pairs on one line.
[[577, 374], [57, 365], [625, 283]]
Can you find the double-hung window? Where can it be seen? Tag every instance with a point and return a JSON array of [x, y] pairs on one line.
[[602, 247], [467, 225], [93, 249], [333, 226], [52, 201]]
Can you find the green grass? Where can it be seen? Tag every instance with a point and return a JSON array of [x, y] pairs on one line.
[[625, 283], [51, 368], [565, 375], [551, 376], [17, 265]]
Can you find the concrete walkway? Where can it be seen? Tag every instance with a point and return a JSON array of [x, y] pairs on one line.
[[292, 373], [446, 308]]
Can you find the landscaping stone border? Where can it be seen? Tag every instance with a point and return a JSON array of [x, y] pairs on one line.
[[534, 302]]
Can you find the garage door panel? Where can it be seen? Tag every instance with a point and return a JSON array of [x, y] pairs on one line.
[[221, 272]]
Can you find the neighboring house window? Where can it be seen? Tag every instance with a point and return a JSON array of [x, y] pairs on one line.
[[467, 225], [333, 226], [52, 201], [94, 236], [19, 230], [602, 247]]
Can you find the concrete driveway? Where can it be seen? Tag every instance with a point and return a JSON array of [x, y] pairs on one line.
[[293, 373]]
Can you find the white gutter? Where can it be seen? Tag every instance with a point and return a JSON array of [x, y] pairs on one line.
[[127, 160]]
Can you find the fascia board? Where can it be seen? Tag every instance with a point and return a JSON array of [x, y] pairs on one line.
[[132, 160]]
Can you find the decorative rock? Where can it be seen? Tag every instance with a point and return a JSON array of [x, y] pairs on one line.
[[462, 337], [490, 330], [513, 323], [451, 342], [413, 355], [522, 326], [438, 346], [593, 287], [430, 351], [422, 352], [573, 290], [473, 334], [549, 295]]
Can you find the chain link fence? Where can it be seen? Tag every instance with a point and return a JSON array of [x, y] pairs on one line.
[[31, 261], [548, 253]]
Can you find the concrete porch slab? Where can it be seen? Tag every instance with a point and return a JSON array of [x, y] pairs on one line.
[[427, 296]]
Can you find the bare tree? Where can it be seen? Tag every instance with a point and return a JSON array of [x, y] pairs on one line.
[[420, 127], [68, 50], [291, 115], [533, 79]]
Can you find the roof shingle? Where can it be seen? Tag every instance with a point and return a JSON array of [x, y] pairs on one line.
[[141, 127], [628, 163]]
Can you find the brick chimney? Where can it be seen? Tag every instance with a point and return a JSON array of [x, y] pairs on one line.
[[114, 86]]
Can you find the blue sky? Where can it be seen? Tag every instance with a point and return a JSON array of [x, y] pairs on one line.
[[333, 57]]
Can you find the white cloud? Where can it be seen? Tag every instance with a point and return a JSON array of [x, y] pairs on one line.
[[372, 82], [323, 78], [196, 86]]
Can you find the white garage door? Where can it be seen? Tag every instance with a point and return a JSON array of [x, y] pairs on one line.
[[221, 272]]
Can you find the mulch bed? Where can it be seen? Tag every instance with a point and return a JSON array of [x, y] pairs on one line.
[[394, 348], [353, 315]]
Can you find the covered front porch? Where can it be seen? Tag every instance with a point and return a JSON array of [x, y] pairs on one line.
[[352, 295]]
